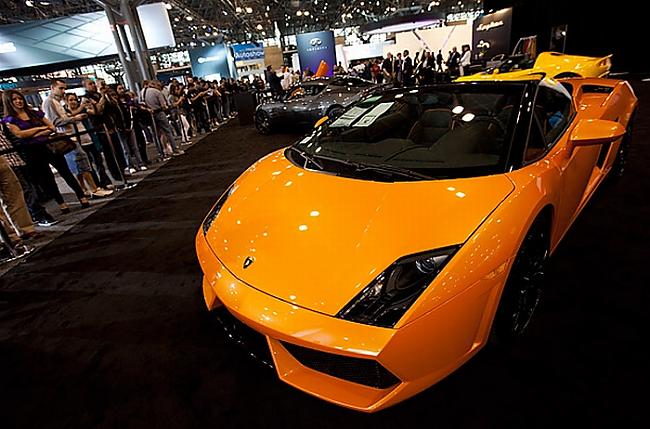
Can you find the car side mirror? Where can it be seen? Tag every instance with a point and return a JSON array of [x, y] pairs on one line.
[[590, 132]]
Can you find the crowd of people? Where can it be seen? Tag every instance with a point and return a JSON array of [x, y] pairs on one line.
[[425, 68], [95, 142]]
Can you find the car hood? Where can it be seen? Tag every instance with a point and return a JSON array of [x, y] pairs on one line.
[[316, 240]]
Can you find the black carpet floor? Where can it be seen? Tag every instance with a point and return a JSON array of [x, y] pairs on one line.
[[106, 326]]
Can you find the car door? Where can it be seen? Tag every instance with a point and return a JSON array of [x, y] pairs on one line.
[[303, 103], [554, 119]]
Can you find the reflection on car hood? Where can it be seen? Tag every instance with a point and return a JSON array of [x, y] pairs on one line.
[[316, 239]]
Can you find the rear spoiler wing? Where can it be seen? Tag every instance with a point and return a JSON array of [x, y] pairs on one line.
[[605, 87]]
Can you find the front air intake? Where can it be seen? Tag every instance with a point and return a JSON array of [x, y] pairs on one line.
[[367, 372]]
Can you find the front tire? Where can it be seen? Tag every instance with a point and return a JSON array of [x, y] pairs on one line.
[[523, 289]]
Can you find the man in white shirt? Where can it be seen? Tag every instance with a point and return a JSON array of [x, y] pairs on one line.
[[286, 78], [54, 110], [465, 60]]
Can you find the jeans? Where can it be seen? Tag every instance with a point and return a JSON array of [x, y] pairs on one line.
[[163, 126], [113, 154], [36, 210], [39, 160], [129, 143]]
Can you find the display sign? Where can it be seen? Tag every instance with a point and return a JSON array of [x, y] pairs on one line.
[[248, 52], [210, 61], [77, 37], [491, 34], [316, 47]]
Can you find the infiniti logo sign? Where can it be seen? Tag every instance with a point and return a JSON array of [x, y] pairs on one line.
[[315, 41]]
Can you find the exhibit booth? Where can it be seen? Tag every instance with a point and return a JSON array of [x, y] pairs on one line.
[[433, 39]]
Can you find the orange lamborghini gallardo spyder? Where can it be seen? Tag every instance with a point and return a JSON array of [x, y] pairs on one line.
[[374, 257]]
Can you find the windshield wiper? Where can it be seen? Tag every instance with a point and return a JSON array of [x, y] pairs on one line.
[[380, 168], [385, 169], [308, 158], [392, 170]]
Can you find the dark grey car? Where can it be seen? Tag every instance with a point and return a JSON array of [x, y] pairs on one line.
[[306, 102]]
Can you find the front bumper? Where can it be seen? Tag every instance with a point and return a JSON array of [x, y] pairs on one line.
[[416, 355]]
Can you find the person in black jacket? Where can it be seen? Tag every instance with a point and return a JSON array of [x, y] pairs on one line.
[[407, 69]]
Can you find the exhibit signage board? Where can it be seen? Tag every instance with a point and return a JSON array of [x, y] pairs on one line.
[[248, 51], [491, 34], [210, 62], [316, 47], [77, 37]]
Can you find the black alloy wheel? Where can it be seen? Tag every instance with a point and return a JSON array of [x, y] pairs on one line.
[[523, 288], [263, 122]]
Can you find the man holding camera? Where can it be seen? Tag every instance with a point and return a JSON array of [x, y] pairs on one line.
[[155, 100]]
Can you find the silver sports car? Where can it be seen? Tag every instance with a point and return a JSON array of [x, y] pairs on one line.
[[306, 102]]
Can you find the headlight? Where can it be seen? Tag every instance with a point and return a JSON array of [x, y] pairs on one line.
[[216, 209], [385, 300]]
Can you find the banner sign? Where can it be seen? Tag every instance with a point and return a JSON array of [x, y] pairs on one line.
[[491, 34], [77, 37], [210, 61], [248, 52], [316, 47]]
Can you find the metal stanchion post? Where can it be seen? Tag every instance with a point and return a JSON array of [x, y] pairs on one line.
[[15, 252], [156, 137], [207, 109], [5, 241], [127, 185]]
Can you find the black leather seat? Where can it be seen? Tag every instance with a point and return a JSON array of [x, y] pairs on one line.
[[433, 124]]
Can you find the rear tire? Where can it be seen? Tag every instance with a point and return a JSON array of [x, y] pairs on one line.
[[523, 289]]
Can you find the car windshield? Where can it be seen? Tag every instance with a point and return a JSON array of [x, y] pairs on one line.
[[514, 64], [302, 90], [446, 131]]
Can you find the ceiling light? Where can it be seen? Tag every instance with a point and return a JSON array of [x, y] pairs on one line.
[[189, 18], [168, 6], [299, 13], [238, 9], [259, 26], [249, 10], [28, 3], [306, 13]]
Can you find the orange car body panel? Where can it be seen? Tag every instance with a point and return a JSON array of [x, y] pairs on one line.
[[553, 64], [319, 239]]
